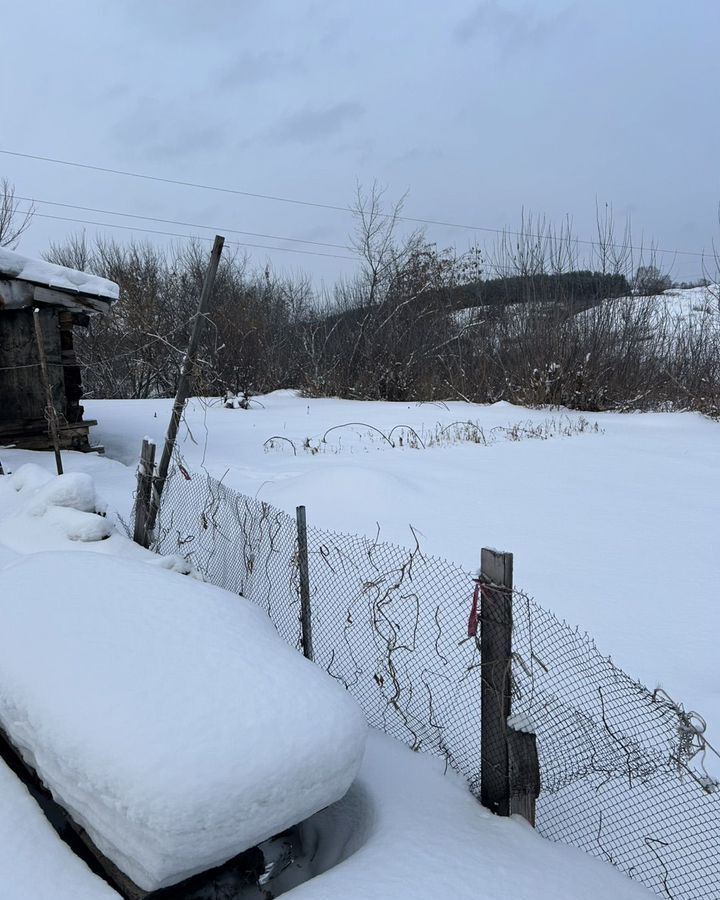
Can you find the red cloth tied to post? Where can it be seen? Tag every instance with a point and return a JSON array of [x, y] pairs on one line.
[[474, 617]]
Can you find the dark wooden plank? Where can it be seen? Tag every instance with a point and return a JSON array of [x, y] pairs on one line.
[[524, 768]]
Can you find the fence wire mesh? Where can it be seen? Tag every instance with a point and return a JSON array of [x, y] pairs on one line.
[[621, 768]]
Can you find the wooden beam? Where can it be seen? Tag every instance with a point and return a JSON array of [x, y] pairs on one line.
[[16, 293], [79, 302]]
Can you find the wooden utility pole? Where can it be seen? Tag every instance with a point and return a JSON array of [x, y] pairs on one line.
[[183, 388], [51, 412], [304, 571]]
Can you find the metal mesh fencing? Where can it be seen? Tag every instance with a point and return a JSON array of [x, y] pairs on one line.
[[621, 768], [387, 622]]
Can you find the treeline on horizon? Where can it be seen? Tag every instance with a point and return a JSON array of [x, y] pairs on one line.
[[526, 322]]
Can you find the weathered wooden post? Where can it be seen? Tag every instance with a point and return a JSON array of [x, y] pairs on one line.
[[304, 571], [51, 412], [510, 771], [496, 581], [183, 386], [145, 475]]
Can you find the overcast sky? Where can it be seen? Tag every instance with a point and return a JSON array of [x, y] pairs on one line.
[[475, 109]]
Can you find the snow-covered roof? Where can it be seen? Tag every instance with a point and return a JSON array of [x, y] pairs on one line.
[[21, 276]]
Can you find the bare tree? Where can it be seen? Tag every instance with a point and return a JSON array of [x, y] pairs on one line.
[[13, 221]]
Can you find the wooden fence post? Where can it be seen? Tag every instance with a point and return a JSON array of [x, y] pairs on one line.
[[304, 571], [510, 771], [51, 412], [496, 576], [145, 475]]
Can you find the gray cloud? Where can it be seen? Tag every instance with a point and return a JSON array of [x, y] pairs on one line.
[[311, 125], [159, 130], [170, 19], [515, 103], [249, 69], [513, 28]]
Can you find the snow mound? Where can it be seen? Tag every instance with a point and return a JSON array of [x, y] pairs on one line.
[[77, 525], [42, 512], [167, 716], [75, 490], [28, 478]]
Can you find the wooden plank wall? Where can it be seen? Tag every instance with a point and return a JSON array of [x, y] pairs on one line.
[[22, 395]]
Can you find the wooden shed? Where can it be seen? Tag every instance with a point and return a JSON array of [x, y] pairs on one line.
[[66, 299]]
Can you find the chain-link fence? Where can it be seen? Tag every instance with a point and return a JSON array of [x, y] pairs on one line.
[[622, 769]]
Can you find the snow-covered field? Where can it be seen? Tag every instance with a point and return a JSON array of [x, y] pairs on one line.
[[614, 530], [612, 521]]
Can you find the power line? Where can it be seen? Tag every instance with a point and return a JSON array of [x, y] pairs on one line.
[[193, 184], [198, 237], [216, 228], [492, 269], [318, 205]]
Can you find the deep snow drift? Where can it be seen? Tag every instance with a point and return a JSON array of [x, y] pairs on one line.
[[165, 715]]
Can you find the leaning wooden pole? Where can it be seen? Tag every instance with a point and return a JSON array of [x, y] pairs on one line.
[[183, 388], [50, 402]]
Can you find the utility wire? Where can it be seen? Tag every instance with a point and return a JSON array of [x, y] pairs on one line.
[[491, 268], [198, 237], [317, 205], [216, 228]]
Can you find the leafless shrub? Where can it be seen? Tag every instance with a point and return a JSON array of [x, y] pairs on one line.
[[523, 322], [13, 222]]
